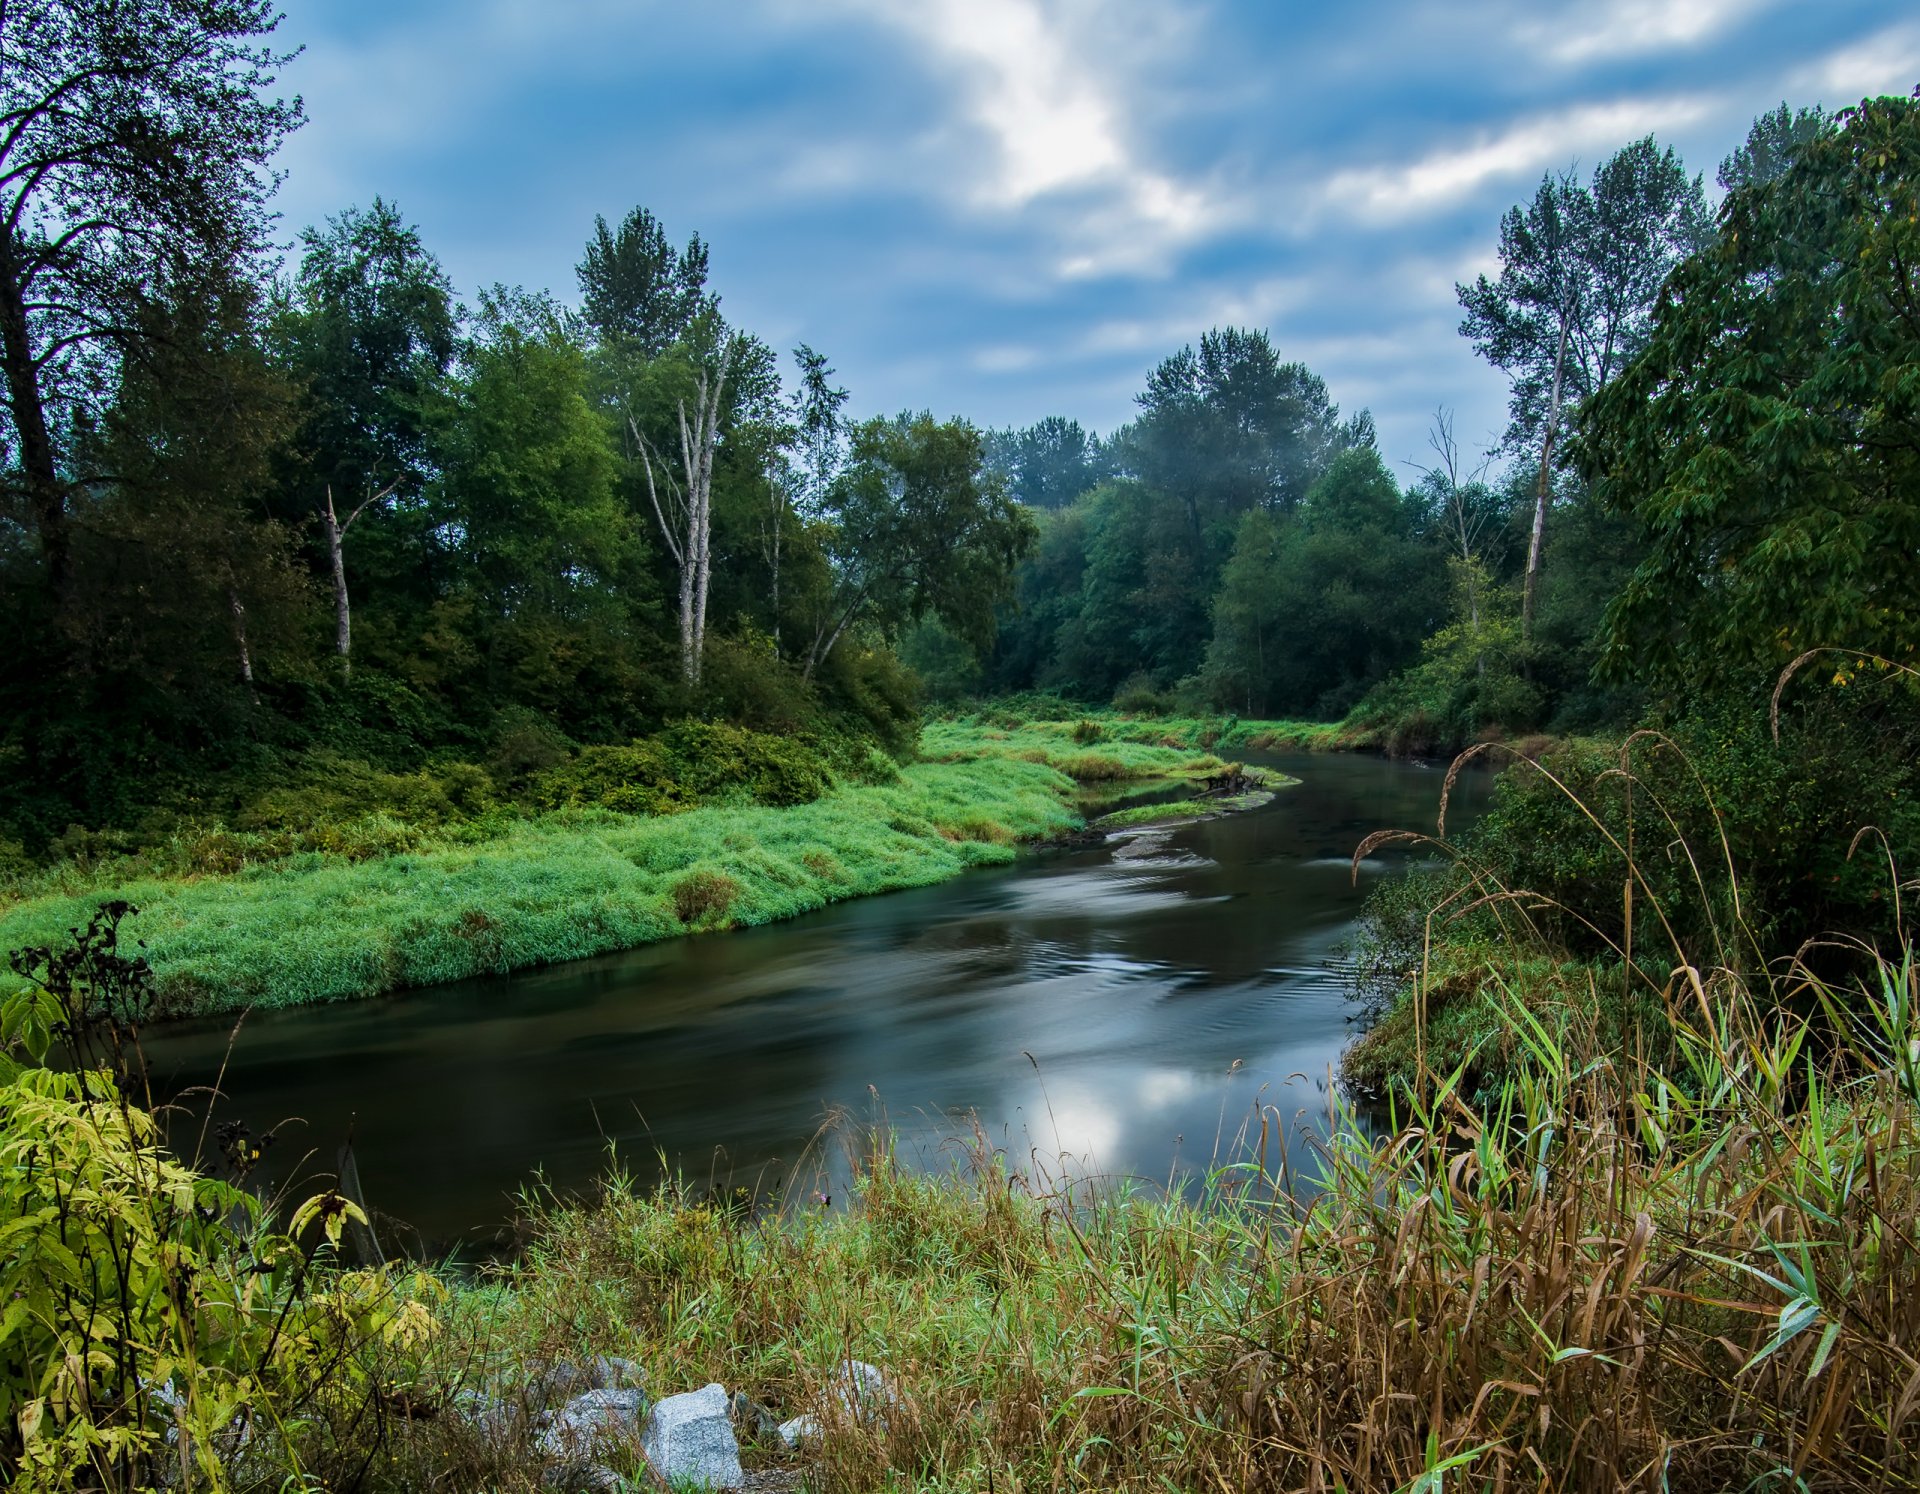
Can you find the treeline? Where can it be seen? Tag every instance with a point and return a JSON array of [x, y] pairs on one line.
[[317, 518], [1240, 547]]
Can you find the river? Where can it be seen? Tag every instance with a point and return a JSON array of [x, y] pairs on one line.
[[1098, 1014]]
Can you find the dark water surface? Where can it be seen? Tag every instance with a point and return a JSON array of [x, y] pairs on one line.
[[1162, 994]]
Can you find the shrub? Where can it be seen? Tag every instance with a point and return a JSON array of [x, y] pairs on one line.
[[1138, 696], [153, 1323], [704, 897], [635, 779]]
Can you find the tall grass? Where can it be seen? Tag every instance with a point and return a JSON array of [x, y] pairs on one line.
[[1615, 1276]]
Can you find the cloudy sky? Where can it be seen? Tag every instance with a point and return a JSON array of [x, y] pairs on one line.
[[1006, 209]]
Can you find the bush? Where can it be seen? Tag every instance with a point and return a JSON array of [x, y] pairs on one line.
[[704, 897], [153, 1324], [1138, 696], [1714, 788], [635, 779]]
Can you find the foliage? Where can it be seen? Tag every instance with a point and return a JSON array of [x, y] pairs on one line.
[[1588, 259], [636, 289], [912, 530], [1765, 440], [1743, 843], [1315, 606], [134, 165], [690, 763], [158, 1329]]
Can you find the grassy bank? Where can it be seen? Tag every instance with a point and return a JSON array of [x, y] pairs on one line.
[[1054, 730], [1617, 1275], [574, 882]]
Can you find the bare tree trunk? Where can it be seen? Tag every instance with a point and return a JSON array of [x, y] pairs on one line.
[[342, 608], [342, 611], [1544, 488], [692, 550], [239, 612]]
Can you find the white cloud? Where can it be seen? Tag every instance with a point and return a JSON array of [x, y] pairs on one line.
[[1039, 85], [1388, 194], [1629, 28], [1886, 63]]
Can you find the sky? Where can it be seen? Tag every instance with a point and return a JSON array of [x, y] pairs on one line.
[[1007, 209]]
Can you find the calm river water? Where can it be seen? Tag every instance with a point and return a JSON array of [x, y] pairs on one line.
[[1096, 1013]]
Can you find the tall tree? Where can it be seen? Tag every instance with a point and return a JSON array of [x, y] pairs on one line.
[[1229, 426], [1049, 463], [135, 142], [1771, 145], [686, 515], [914, 528], [372, 335], [1580, 267], [819, 437], [635, 288]]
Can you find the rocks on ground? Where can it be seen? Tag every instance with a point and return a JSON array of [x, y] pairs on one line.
[[599, 1414]]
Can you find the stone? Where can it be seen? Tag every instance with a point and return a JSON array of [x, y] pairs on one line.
[[760, 1421], [591, 1421], [582, 1478], [862, 1390], [689, 1440], [802, 1431], [557, 1381], [485, 1414]]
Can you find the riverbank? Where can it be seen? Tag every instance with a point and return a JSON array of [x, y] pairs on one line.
[[575, 882], [1637, 1275]]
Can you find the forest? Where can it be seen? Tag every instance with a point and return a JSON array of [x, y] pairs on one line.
[[371, 634]]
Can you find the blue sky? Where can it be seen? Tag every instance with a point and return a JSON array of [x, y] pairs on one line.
[[1006, 209]]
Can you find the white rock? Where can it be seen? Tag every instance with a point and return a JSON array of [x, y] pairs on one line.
[[592, 1420], [802, 1431], [863, 1391], [689, 1440]]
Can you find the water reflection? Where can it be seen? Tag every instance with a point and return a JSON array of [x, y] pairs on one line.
[[1112, 1016]]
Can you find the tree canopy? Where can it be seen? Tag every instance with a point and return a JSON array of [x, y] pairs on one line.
[[1767, 440]]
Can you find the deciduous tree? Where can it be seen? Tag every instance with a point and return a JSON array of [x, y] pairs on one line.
[[136, 138]]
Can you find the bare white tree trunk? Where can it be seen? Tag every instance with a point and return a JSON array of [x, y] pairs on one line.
[[689, 532], [342, 610], [239, 613], [1545, 486]]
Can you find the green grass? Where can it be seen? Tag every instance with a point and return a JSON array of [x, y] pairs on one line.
[[571, 883], [560, 887], [1115, 733]]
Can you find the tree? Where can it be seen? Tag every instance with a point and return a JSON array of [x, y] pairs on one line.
[[1580, 267], [1317, 605], [372, 335], [636, 289], [1467, 515], [545, 550], [913, 528], [135, 138], [1767, 440], [686, 518], [818, 434], [1230, 427], [1771, 145], [1048, 464]]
